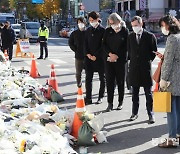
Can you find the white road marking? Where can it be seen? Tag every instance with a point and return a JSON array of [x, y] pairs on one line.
[[29, 62], [54, 66], [63, 70], [58, 61]]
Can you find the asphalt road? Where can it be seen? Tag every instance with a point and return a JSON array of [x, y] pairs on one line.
[[123, 137]]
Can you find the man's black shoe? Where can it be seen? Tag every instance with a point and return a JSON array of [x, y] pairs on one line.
[[151, 120], [109, 108], [99, 101], [133, 117], [88, 101], [119, 106], [40, 58]]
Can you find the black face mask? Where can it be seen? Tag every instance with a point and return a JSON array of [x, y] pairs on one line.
[[42, 25]]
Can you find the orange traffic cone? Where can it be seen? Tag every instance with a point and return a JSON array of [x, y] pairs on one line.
[[52, 80], [52, 83], [6, 55], [156, 88], [34, 72], [80, 108]]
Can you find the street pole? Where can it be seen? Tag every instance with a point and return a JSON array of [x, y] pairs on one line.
[[69, 5], [76, 8]]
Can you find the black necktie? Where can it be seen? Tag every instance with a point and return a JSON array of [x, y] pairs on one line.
[[138, 38]]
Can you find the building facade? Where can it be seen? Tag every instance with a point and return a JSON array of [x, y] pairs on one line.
[[150, 10]]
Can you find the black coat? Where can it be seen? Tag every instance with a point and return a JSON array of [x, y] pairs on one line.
[[7, 36], [93, 46], [116, 43], [141, 55], [76, 43]]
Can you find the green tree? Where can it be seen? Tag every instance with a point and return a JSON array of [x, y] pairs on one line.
[[106, 4], [64, 8], [4, 6], [49, 8]]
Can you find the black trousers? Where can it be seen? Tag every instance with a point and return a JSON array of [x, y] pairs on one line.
[[135, 100], [127, 75], [115, 72], [89, 78], [79, 64], [43, 45], [9, 48]]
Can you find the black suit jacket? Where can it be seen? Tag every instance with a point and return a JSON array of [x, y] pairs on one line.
[[116, 43], [141, 55], [76, 43], [93, 46]]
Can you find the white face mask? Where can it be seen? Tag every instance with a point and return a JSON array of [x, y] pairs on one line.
[[137, 29], [93, 24], [81, 25], [116, 27], [164, 31]]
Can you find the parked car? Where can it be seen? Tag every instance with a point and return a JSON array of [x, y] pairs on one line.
[[16, 28], [66, 32], [159, 36], [30, 30], [61, 24]]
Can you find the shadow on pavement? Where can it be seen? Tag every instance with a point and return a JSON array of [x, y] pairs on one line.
[[44, 76], [66, 83], [68, 74], [133, 138], [116, 122], [157, 150], [126, 125], [70, 94], [17, 61]]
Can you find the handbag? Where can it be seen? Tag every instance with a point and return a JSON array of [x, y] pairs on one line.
[[157, 74], [162, 101]]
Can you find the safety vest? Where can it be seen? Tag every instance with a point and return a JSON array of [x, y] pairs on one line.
[[44, 33]]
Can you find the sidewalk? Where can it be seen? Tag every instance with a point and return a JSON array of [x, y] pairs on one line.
[[126, 137]]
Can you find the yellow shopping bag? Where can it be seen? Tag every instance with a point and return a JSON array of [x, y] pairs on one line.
[[162, 102]]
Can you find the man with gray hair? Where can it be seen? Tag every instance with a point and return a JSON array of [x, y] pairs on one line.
[[142, 46], [115, 47]]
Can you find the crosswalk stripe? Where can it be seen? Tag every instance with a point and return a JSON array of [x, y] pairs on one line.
[[24, 67], [63, 70], [58, 61], [55, 65], [29, 62]]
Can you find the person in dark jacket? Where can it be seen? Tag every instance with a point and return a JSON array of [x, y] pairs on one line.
[[8, 38], [115, 47], [76, 43], [141, 47], [1, 28], [94, 61]]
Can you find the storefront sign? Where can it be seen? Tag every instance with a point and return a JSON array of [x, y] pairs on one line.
[[143, 4]]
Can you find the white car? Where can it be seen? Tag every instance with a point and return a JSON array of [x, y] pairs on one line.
[[70, 31], [16, 28]]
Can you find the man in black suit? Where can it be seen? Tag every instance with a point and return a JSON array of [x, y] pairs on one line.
[[8, 38], [94, 61], [141, 47]]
